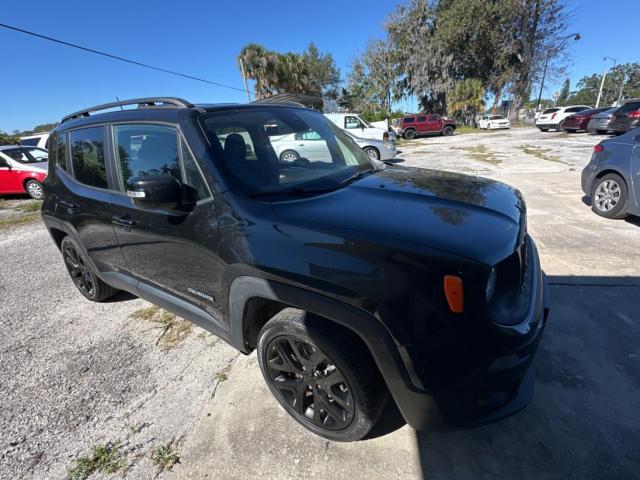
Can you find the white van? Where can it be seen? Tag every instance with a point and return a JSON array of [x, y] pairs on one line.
[[358, 127]]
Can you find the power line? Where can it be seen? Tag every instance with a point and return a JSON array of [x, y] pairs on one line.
[[116, 57]]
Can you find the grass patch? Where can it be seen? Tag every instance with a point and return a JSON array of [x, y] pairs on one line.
[[480, 153], [10, 221], [174, 329], [165, 457], [3, 203], [541, 153], [467, 129], [105, 458], [30, 206]]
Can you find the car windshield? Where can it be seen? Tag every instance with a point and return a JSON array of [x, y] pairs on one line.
[[281, 150], [496, 117], [27, 154]]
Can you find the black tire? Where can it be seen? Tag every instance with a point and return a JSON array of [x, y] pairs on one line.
[[601, 132], [289, 153], [81, 273], [34, 189], [410, 134], [544, 129], [558, 128], [372, 152], [447, 131], [617, 192], [307, 360]]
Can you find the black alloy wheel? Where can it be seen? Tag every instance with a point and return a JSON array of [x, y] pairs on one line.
[[321, 374], [309, 382], [84, 278]]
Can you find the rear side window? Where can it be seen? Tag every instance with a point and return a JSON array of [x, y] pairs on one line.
[[421, 119], [551, 110], [629, 107], [61, 151], [87, 156]]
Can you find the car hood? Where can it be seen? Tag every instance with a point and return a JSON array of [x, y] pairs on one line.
[[477, 218]]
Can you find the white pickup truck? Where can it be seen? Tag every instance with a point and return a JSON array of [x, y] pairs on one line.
[[352, 123]]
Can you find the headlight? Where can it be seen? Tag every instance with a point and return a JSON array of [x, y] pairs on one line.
[[491, 285]]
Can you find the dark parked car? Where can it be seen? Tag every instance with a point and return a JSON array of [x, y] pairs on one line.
[[437, 301], [610, 178], [424, 124], [626, 118], [580, 120], [599, 122]]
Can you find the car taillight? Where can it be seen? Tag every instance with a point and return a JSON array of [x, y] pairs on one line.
[[598, 148], [635, 114], [553, 116]]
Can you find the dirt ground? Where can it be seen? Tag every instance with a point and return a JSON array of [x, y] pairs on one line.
[[143, 394]]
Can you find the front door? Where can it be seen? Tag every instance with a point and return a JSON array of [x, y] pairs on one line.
[[173, 252], [9, 178]]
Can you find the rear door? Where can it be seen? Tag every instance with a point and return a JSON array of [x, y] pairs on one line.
[[433, 123], [175, 253], [83, 193]]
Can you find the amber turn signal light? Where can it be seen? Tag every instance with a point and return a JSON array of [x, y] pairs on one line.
[[454, 291]]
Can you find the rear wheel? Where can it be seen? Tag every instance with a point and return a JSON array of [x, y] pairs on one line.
[[410, 134], [544, 129], [601, 132], [321, 375], [83, 276], [448, 130], [34, 189], [609, 197]]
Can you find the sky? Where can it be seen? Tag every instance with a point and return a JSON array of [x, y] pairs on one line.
[[43, 81]]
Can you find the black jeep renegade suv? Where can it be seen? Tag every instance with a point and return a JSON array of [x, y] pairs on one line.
[[353, 279]]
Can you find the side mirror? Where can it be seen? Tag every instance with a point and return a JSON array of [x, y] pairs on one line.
[[155, 191]]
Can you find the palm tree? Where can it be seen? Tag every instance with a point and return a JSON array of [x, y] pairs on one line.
[[260, 65], [467, 99]]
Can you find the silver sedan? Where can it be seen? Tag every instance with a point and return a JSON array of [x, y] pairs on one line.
[[599, 123], [376, 149], [611, 177]]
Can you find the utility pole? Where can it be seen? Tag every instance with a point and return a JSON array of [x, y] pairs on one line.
[[244, 77], [621, 88], [604, 75]]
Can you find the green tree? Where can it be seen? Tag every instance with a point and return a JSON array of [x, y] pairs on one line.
[[467, 99], [621, 82], [324, 76]]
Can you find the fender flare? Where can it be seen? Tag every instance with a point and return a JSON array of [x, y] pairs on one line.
[[392, 361]]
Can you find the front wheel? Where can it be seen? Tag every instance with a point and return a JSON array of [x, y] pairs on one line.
[[609, 197], [601, 132], [448, 130], [321, 375], [544, 129], [372, 152], [289, 156], [34, 189]]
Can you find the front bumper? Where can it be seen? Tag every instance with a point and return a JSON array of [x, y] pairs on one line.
[[549, 126], [498, 387]]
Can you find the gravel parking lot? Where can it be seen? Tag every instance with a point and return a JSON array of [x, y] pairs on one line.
[[156, 393]]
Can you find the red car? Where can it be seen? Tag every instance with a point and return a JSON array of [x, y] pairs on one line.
[[22, 170], [580, 120], [424, 124]]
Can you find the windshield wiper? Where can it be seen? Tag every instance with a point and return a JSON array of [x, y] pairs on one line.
[[293, 191], [357, 176]]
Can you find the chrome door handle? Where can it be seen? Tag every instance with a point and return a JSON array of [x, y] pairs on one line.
[[123, 221]]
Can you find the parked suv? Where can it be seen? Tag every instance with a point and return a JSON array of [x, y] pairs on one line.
[[425, 124], [437, 298]]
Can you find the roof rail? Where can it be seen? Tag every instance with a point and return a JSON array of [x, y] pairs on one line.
[[150, 102]]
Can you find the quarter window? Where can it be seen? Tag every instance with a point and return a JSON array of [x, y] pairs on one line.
[[61, 151], [87, 156]]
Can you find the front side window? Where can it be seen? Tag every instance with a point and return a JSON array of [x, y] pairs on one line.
[[87, 156], [30, 142], [352, 122], [293, 150], [144, 149], [409, 119], [27, 155]]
